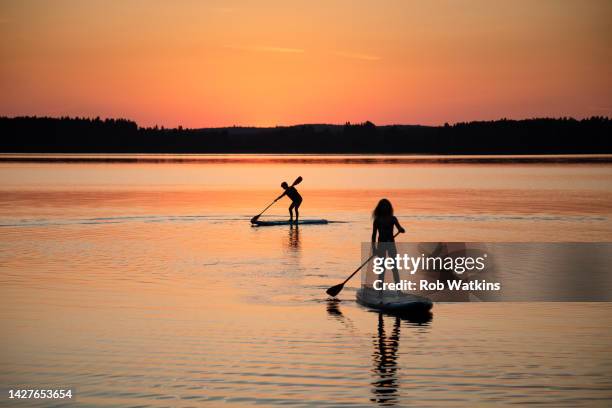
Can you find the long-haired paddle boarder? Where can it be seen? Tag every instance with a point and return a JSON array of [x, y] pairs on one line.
[[383, 223]]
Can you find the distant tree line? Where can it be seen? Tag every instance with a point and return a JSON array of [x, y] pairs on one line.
[[529, 136]]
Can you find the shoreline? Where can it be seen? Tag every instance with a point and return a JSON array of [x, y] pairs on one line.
[[313, 158]]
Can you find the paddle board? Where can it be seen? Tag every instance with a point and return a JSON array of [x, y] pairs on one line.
[[259, 223], [393, 302]]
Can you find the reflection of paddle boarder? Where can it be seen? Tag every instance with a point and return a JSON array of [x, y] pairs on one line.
[[294, 237], [383, 224], [296, 200], [385, 386]]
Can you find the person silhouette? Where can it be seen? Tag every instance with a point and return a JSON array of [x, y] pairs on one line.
[[296, 200], [382, 225]]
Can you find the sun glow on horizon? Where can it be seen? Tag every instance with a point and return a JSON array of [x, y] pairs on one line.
[[207, 64]]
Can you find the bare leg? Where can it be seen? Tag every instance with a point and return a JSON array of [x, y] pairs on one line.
[[396, 276], [291, 213], [392, 253]]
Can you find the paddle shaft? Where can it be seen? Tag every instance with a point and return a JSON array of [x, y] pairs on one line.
[[364, 264], [264, 210]]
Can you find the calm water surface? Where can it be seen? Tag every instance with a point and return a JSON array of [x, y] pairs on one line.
[[143, 284]]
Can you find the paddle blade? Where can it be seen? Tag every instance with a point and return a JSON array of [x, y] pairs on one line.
[[255, 218], [334, 290], [297, 181]]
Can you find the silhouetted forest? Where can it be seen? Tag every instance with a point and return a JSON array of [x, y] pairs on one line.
[[530, 136]]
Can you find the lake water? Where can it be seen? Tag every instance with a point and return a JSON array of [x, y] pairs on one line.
[[142, 283]]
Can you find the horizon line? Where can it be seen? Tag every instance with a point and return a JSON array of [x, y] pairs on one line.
[[181, 127]]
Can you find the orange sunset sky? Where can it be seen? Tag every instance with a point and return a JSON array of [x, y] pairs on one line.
[[219, 63]]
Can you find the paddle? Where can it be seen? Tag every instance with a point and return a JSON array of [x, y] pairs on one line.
[[255, 218], [334, 290]]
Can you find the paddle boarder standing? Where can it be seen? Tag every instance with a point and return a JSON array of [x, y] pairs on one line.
[[382, 225], [296, 200]]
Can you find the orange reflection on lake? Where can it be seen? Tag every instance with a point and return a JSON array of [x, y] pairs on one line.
[[144, 284]]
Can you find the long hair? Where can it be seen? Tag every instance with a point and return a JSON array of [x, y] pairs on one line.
[[383, 209]]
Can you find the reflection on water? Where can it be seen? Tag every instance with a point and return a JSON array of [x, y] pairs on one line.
[[385, 356], [385, 363], [333, 308], [334, 311], [144, 285], [294, 237], [385, 386]]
